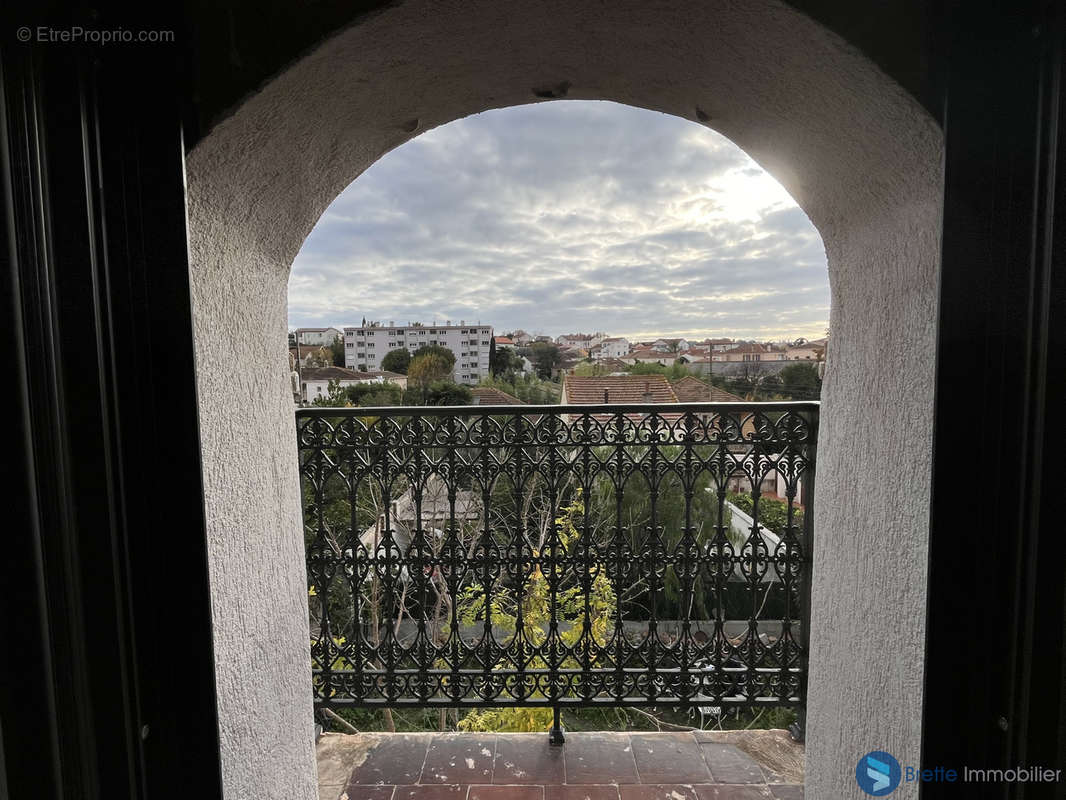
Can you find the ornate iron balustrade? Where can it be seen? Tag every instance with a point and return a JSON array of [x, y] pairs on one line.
[[557, 555]]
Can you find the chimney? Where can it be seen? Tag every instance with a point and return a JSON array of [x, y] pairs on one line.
[[647, 392], [606, 396]]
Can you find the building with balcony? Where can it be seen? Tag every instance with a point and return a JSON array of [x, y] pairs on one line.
[[366, 346]]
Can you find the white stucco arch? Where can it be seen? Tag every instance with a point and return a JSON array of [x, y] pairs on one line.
[[858, 154]]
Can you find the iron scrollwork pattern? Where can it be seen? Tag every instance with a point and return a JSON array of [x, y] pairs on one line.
[[558, 555]]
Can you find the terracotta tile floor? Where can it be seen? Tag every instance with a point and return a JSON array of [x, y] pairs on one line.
[[697, 765]]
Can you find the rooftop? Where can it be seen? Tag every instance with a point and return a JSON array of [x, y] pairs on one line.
[[692, 390], [618, 389], [490, 396]]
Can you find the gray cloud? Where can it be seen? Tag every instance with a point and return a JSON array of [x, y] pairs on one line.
[[567, 216]]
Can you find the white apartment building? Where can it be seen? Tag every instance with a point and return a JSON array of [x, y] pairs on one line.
[[317, 336], [612, 347], [367, 345]]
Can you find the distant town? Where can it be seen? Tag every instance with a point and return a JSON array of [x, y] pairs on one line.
[[463, 363]]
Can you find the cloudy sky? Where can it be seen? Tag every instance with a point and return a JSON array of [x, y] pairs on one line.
[[563, 217]]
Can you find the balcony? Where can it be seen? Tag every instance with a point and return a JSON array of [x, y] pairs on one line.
[[512, 563]]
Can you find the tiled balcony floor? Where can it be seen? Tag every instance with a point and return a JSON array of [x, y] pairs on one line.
[[697, 765]]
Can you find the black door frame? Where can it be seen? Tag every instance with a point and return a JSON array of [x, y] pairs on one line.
[[993, 694], [106, 602]]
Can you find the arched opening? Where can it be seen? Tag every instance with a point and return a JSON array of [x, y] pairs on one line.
[[858, 155], [557, 217]]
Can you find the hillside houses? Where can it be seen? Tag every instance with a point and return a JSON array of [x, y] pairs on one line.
[[580, 354]]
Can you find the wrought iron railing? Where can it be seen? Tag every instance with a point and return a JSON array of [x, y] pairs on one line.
[[558, 555]]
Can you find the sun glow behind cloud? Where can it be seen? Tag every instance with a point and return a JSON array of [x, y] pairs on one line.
[[567, 216]]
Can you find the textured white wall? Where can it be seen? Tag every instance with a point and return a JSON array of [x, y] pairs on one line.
[[857, 153]]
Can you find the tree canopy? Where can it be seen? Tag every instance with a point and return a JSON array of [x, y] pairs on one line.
[[337, 348], [429, 364], [503, 361], [545, 357], [398, 360]]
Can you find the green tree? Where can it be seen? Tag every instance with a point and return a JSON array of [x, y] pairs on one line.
[[335, 397], [447, 393], [429, 364], [366, 395], [591, 369], [503, 361], [398, 360], [528, 388], [337, 348], [800, 381], [674, 372], [545, 356]]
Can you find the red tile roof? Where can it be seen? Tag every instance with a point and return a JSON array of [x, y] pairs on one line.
[[748, 347], [630, 389], [490, 396], [692, 390]]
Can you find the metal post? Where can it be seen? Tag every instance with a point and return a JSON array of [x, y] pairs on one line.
[[555, 737], [798, 729]]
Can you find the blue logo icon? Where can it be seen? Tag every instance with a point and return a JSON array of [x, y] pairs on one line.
[[878, 773]]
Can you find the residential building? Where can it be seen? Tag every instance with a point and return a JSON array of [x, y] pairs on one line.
[[312, 355], [746, 351], [718, 345], [319, 336], [647, 355], [583, 340], [617, 389], [521, 338], [611, 347], [806, 351], [670, 345], [504, 342], [620, 389], [367, 345], [315, 382]]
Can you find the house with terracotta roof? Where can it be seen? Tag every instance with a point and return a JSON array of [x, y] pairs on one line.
[[491, 396], [627, 389], [620, 389], [806, 351], [504, 341], [746, 351], [647, 355], [691, 389]]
